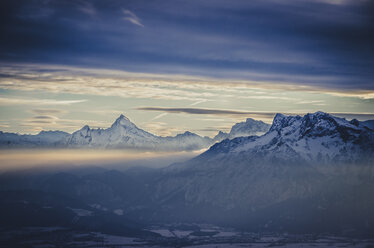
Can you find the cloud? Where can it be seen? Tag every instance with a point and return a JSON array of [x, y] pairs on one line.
[[38, 123], [75, 80], [359, 116], [236, 40], [252, 114], [131, 17], [312, 102], [5, 101], [162, 128], [197, 111], [45, 117], [198, 102], [41, 121], [234, 114], [87, 8], [48, 111], [105, 83], [4, 125], [159, 116]]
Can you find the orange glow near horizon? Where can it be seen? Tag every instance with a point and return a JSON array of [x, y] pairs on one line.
[[27, 159]]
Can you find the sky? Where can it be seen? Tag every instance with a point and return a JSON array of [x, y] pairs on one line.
[[173, 66]]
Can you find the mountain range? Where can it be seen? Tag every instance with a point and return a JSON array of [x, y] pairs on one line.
[[125, 134], [306, 174]]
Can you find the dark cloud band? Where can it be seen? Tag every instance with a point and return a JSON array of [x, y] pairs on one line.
[[253, 114], [196, 111], [317, 43]]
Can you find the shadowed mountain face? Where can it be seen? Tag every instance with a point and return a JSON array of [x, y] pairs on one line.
[[369, 124], [306, 174]]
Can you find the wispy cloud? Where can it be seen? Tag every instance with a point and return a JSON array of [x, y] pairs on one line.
[[162, 128], [131, 17], [4, 124], [151, 85], [198, 102], [47, 111], [5, 101], [45, 117], [87, 8], [164, 114], [38, 123], [159, 116], [312, 102]]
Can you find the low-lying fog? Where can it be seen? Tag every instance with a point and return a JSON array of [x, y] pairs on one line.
[[11, 160]]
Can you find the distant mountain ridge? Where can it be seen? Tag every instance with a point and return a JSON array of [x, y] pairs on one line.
[[122, 134], [42, 139], [250, 127], [125, 134]]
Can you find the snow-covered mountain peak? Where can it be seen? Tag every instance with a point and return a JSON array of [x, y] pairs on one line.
[[322, 124], [250, 127], [85, 128], [123, 121], [312, 124], [186, 134], [250, 120], [281, 121]]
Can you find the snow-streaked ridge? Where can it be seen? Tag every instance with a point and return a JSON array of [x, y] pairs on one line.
[[313, 137]]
